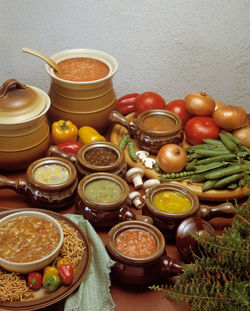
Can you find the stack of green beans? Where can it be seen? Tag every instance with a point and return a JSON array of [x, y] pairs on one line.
[[218, 163]]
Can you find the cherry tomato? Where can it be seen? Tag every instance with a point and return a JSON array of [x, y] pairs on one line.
[[199, 128], [178, 106], [148, 101]]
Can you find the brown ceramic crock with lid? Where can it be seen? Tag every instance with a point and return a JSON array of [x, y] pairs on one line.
[[85, 166], [168, 222], [42, 192], [105, 214], [143, 271], [24, 130], [148, 139], [84, 103]]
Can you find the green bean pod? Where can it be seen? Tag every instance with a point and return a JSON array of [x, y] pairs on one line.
[[131, 150], [223, 172], [227, 141], [208, 167], [233, 186], [209, 184], [233, 138], [197, 178], [213, 153], [224, 182], [124, 140], [214, 142], [157, 167], [176, 176], [226, 157]]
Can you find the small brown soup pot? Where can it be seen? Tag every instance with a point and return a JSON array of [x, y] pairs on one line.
[[168, 222], [105, 214], [96, 157], [138, 271], [41, 193], [149, 138]]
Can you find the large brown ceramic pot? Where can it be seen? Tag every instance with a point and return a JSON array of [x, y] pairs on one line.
[[24, 130], [84, 103]]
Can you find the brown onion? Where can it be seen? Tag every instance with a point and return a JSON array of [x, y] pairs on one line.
[[243, 134], [218, 104], [199, 103], [230, 117], [171, 158]]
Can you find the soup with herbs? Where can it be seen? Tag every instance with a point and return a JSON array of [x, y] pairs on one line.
[[82, 69], [103, 191], [136, 243], [171, 202], [50, 174], [27, 238], [158, 123]]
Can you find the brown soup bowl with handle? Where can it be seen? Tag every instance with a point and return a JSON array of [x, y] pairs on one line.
[[96, 157], [168, 222], [50, 183], [139, 251], [103, 199], [152, 128]]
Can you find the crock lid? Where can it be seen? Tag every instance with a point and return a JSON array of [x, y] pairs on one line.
[[19, 102]]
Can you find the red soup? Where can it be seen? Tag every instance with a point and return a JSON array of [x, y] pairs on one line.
[[82, 69], [136, 243]]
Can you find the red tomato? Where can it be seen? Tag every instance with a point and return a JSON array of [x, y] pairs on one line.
[[199, 128], [148, 101], [178, 106]]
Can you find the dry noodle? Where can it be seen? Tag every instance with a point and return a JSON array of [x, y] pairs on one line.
[[13, 285], [73, 247]]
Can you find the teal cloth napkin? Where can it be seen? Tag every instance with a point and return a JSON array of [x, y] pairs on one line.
[[93, 294]]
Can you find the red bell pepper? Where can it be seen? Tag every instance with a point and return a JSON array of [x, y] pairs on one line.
[[70, 147], [35, 280], [126, 103], [66, 274]]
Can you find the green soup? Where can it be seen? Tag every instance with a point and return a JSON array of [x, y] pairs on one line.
[[103, 191]]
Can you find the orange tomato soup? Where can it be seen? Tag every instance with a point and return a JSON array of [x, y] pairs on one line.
[[82, 69], [136, 243], [27, 239], [158, 123]]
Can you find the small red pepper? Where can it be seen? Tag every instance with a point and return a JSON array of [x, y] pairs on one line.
[[126, 103], [35, 280], [66, 274], [70, 147]]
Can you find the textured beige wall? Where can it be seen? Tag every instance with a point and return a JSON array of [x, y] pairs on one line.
[[170, 47]]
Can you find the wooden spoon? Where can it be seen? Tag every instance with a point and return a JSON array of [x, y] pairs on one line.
[[48, 60]]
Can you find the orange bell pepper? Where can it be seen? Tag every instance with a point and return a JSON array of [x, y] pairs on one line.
[[63, 131]]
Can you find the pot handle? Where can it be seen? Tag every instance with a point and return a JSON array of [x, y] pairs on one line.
[[55, 151], [225, 210], [7, 85], [116, 117], [14, 184], [144, 218], [170, 267]]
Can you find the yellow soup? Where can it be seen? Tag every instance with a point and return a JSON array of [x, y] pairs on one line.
[[171, 202]]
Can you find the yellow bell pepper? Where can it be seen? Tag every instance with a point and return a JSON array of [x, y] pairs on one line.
[[88, 134], [63, 131], [49, 270]]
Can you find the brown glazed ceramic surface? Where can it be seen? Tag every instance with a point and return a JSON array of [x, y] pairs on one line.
[[84, 103], [105, 215], [48, 196], [24, 130], [150, 140], [84, 168], [168, 222], [140, 271], [185, 243]]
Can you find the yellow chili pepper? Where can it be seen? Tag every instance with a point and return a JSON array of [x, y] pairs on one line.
[[88, 135], [49, 270], [63, 131]]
